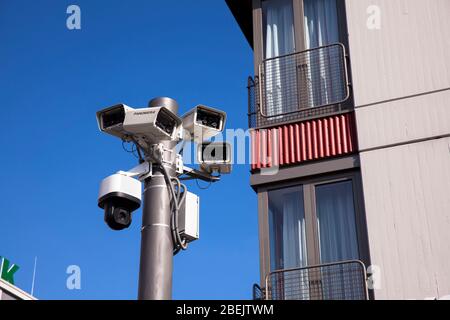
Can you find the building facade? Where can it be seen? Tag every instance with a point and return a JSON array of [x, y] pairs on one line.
[[349, 111], [11, 292]]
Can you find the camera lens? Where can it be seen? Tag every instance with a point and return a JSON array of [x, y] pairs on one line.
[[165, 121], [118, 208], [208, 118], [122, 217], [113, 117], [117, 218]]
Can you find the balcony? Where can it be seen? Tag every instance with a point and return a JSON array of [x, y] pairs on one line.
[[336, 281], [299, 86]]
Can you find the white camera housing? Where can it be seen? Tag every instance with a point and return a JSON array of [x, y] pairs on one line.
[[119, 196], [215, 157], [145, 125], [202, 123]]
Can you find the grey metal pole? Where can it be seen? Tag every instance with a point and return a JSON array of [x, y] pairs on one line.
[[156, 264]]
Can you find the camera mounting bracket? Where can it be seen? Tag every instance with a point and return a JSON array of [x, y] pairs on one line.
[[197, 174], [141, 171]]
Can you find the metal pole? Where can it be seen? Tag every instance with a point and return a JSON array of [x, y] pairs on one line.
[[156, 264]]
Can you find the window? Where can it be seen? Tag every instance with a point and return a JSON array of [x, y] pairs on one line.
[[293, 79], [287, 228], [279, 40], [320, 23], [336, 224], [314, 222], [278, 28], [321, 28]]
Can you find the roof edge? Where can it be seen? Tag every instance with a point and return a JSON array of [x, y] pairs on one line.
[[13, 290], [242, 12]]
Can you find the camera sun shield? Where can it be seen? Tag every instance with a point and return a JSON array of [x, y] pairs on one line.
[[215, 156], [202, 123]]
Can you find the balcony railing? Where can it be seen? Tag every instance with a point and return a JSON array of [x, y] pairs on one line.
[[298, 86], [258, 293], [336, 281]]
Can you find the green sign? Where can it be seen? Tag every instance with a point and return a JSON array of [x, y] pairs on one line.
[[7, 270]]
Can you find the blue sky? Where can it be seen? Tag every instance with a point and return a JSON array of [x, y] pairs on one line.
[[53, 80]]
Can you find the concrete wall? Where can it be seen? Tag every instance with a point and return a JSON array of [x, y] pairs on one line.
[[401, 81]]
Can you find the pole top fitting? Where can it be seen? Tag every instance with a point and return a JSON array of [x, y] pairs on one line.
[[167, 102]]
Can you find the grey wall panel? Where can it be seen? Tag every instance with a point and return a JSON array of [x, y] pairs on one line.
[[407, 198], [400, 74], [404, 120], [409, 54]]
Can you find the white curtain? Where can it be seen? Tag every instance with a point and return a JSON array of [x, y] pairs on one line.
[[338, 240], [288, 242], [321, 23], [336, 222], [294, 247], [287, 228], [321, 29], [279, 40], [294, 233]]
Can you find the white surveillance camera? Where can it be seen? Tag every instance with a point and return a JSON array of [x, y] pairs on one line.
[[110, 120], [202, 123], [146, 125], [119, 196], [215, 157]]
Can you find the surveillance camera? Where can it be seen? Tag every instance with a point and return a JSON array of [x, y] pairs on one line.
[[215, 157], [146, 125], [119, 196], [110, 120], [202, 123]]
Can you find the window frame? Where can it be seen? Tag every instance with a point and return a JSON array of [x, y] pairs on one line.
[[302, 192], [258, 30], [299, 28], [312, 241], [300, 45]]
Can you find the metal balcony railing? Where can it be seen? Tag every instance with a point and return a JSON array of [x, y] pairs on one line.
[[336, 281], [258, 293], [298, 86]]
